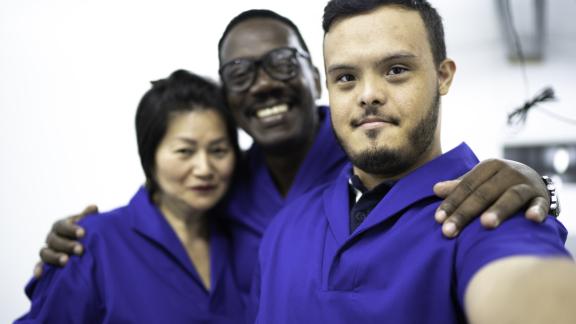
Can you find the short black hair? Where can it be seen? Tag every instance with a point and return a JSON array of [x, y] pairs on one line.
[[260, 13], [336, 9], [182, 91]]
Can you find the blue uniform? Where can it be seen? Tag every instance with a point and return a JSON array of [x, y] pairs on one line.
[[255, 199], [135, 269], [396, 267]]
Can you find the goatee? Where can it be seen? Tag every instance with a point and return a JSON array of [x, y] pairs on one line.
[[391, 162]]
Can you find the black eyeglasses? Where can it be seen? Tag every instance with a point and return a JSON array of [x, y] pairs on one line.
[[280, 64]]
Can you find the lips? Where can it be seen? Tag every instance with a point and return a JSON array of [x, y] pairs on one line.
[[373, 122], [204, 188]]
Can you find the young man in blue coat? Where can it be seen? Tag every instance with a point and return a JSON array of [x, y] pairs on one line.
[[365, 248]]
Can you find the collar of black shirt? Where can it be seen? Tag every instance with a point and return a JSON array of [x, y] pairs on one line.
[[362, 200]]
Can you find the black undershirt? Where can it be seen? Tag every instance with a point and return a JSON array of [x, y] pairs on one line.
[[360, 209]]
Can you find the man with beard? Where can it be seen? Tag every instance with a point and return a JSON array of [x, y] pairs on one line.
[[271, 86], [365, 248]]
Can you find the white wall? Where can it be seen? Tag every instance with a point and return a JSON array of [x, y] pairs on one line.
[[72, 72]]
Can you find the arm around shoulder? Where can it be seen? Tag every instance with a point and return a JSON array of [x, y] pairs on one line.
[[523, 289]]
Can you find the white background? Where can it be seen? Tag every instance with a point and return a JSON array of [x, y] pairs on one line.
[[72, 73]]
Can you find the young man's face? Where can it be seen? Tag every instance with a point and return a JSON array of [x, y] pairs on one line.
[[279, 114], [384, 91]]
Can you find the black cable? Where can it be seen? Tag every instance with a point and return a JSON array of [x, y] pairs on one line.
[[519, 115], [517, 45]]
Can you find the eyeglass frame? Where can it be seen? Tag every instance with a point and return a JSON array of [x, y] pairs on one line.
[[259, 63]]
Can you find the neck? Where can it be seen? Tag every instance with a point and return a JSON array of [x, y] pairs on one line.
[[188, 226], [193, 231], [284, 168], [183, 219], [284, 163]]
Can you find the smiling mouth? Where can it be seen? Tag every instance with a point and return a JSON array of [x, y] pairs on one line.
[[272, 116], [268, 112]]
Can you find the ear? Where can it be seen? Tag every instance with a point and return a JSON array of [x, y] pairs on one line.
[[446, 72], [317, 82]]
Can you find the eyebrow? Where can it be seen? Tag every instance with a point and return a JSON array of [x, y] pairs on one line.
[[384, 60], [192, 141]]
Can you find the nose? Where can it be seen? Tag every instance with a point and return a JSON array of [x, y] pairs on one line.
[[202, 165], [372, 93], [264, 83]]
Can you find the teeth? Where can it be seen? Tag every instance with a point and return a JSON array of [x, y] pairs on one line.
[[270, 111]]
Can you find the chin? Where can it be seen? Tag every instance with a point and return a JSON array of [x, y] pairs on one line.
[[202, 207], [203, 204]]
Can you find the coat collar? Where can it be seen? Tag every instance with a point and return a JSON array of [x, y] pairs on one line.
[[412, 188]]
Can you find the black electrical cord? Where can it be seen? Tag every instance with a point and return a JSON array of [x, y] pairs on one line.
[[520, 115], [517, 44]]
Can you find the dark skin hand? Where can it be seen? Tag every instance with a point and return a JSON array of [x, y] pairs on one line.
[[494, 189], [62, 241]]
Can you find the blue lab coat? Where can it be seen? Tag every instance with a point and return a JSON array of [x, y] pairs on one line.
[[255, 200], [135, 270], [396, 267]]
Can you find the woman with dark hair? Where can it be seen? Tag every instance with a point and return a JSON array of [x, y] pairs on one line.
[[163, 258]]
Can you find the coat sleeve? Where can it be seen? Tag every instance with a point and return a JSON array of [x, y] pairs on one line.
[[65, 295], [518, 236]]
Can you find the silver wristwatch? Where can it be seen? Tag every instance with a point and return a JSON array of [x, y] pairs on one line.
[[554, 209]]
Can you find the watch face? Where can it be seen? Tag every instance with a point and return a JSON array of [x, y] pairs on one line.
[[553, 195]]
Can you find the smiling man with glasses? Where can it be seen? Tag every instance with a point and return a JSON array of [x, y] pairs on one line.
[[271, 86]]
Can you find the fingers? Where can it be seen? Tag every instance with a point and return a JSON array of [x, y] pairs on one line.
[[38, 269], [60, 244], [443, 189], [90, 209], [470, 207], [459, 192], [494, 189], [537, 209], [512, 200], [62, 241], [66, 228], [49, 256]]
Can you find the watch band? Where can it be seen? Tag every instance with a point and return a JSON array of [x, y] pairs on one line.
[[554, 208]]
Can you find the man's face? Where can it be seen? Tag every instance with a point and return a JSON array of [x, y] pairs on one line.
[[279, 115], [384, 91]]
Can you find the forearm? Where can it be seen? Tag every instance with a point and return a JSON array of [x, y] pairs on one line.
[[523, 290]]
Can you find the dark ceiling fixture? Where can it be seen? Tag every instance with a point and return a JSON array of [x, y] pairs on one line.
[[524, 32]]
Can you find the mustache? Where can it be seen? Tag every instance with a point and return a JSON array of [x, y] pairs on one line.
[[372, 114]]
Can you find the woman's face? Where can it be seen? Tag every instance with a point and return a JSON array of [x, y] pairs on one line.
[[194, 161]]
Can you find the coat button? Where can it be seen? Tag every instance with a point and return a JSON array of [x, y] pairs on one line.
[[360, 216]]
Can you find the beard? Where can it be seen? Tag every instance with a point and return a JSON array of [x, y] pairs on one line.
[[389, 161]]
